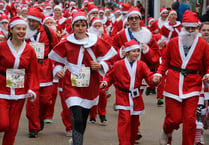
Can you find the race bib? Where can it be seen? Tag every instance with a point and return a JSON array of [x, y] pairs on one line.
[[39, 49], [15, 78], [82, 79]]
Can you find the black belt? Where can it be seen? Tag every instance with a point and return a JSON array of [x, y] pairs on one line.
[[185, 72], [40, 60], [124, 90], [2, 73], [153, 69]]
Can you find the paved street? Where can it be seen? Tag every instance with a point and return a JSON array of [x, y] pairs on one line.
[[53, 134]]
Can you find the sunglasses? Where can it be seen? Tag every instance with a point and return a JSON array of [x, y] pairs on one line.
[[133, 18]]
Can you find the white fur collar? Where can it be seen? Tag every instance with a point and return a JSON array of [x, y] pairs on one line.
[[87, 42], [144, 35], [169, 27]]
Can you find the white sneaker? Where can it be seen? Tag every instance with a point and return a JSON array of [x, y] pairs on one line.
[[70, 141], [202, 140], [68, 133], [163, 138]]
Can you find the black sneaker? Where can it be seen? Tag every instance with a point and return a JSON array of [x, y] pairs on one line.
[[103, 120], [42, 125], [159, 102], [33, 134], [147, 92], [92, 120]]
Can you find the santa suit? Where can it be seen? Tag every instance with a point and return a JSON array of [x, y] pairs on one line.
[[182, 91], [71, 53], [12, 99], [160, 22], [127, 80], [46, 81], [117, 27], [170, 30]]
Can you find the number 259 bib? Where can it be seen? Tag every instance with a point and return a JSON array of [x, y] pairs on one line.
[[15, 78], [82, 79]]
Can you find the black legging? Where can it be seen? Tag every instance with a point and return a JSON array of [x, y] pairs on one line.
[[79, 116]]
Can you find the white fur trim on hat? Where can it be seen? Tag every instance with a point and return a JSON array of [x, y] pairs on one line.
[[165, 10], [58, 7], [93, 10], [47, 18], [79, 18], [4, 20], [96, 22], [135, 12], [118, 11], [34, 18], [172, 12], [190, 24], [16, 22], [132, 47]]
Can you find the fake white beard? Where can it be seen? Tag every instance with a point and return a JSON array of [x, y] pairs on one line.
[[187, 38], [53, 28], [48, 13], [95, 31], [144, 35], [30, 33]]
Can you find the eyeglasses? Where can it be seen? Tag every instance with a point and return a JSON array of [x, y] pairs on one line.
[[133, 18]]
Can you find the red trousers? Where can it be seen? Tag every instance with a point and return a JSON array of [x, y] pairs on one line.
[[127, 127], [50, 112], [37, 111], [66, 118], [10, 112], [160, 88], [181, 112], [101, 107]]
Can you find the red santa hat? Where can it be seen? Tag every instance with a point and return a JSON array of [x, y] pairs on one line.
[[58, 7], [190, 19], [36, 14], [35, 4], [4, 18], [131, 45], [95, 20], [134, 11], [150, 20], [172, 12], [101, 10], [78, 16], [91, 8], [116, 10], [107, 10], [162, 10], [47, 18], [24, 2], [125, 8], [48, 6], [73, 10], [2, 3], [72, 3], [90, 2], [15, 21], [24, 8]]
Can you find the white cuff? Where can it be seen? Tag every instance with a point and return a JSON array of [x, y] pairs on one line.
[[56, 70], [120, 53], [34, 95], [105, 68], [146, 51]]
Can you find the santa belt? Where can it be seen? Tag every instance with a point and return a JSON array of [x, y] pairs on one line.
[[134, 92], [40, 60], [184, 72]]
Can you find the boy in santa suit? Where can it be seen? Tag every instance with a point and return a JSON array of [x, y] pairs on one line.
[[171, 28], [187, 61], [37, 36], [127, 75]]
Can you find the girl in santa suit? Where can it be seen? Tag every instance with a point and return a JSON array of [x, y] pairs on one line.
[[127, 75], [85, 57], [171, 28], [18, 78]]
